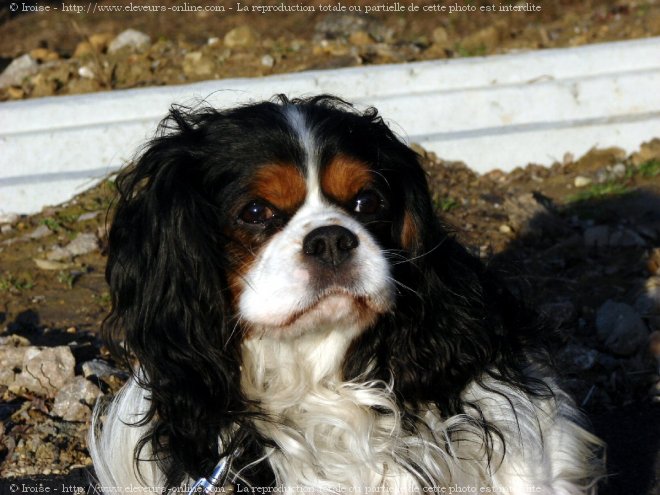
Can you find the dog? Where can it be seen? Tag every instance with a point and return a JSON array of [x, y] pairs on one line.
[[294, 312]]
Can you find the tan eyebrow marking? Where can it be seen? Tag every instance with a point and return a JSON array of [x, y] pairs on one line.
[[282, 185], [344, 177]]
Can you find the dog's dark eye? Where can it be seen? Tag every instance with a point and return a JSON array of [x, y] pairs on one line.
[[367, 203], [257, 212]]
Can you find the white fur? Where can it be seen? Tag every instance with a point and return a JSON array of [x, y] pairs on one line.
[[331, 439]]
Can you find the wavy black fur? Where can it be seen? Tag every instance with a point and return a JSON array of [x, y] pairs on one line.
[[169, 259]]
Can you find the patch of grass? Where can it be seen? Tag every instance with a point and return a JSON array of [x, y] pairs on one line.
[[10, 282], [53, 224], [597, 191], [462, 51], [649, 169], [447, 204], [67, 278]]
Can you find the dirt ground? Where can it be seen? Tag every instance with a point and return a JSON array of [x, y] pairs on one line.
[[568, 238], [72, 53]]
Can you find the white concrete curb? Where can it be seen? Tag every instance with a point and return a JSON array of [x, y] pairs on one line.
[[492, 112]]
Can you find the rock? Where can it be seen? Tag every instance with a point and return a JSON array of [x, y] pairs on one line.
[[86, 72], [83, 49], [597, 236], [102, 370], [623, 237], [504, 229], [618, 171], [8, 217], [268, 61], [42, 86], [654, 345], [647, 152], [15, 93], [50, 265], [19, 69], [577, 357], [581, 181], [620, 328], [44, 370], [482, 39], [195, 64], [648, 302], [100, 41], [131, 39], [533, 214], [88, 216], [440, 36], [12, 355], [44, 55], [241, 36], [82, 244], [39, 232], [559, 313], [360, 38], [74, 400]]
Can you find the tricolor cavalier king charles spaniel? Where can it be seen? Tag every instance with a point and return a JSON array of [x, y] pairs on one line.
[[292, 307]]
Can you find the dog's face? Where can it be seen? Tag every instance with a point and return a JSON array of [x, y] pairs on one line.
[[312, 259]]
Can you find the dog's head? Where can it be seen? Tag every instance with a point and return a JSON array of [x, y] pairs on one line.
[[279, 220]]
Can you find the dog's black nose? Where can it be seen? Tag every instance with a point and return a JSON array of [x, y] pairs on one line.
[[330, 245]]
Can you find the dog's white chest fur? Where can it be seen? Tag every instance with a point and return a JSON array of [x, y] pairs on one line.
[[349, 437]]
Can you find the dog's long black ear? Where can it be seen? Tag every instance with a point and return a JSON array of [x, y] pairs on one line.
[[170, 304], [453, 318]]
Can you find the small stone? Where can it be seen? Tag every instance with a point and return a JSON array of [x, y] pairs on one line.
[[131, 39], [5, 229], [654, 345], [577, 357], [19, 69], [647, 152], [195, 64], [213, 40], [620, 328], [100, 41], [44, 370], [268, 61], [440, 36], [360, 38], [83, 49], [88, 216], [482, 39], [623, 237], [12, 355], [618, 171], [39, 232], [241, 36], [50, 265], [505, 229], [15, 93], [101, 370], [73, 401], [8, 217], [582, 181], [597, 236], [559, 313], [42, 86], [82, 244], [44, 55], [86, 72]]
